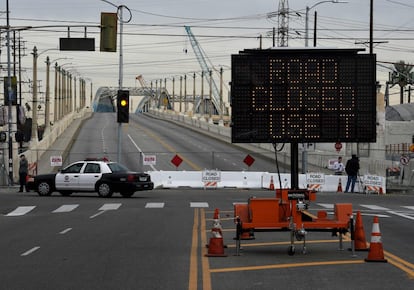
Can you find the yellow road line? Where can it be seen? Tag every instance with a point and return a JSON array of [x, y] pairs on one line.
[[282, 266], [204, 260], [400, 264], [192, 281], [168, 147], [283, 243]]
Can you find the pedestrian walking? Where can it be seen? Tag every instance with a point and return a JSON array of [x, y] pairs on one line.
[[23, 170], [352, 169], [339, 167]]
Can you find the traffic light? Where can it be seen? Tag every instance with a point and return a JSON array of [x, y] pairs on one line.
[[109, 24], [122, 105]]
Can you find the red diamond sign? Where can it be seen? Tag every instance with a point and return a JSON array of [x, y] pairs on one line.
[[176, 160], [248, 160]]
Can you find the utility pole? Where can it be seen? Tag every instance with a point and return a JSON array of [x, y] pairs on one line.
[[34, 88], [47, 97], [10, 99]]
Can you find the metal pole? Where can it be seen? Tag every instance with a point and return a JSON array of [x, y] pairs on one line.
[[56, 94], [194, 94], [34, 107], [221, 93], [185, 95], [47, 97], [9, 90], [121, 25], [314, 29], [307, 26], [173, 94]]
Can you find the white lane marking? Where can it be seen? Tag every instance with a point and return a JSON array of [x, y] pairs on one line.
[[155, 205], [327, 205], [30, 251], [105, 207], [198, 204], [97, 214], [409, 207], [401, 215], [375, 214], [110, 206], [140, 151], [21, 210], [374, 207], [65, 231], [66, 208]]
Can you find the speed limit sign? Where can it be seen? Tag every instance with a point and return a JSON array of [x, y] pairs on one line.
[[404, 159]]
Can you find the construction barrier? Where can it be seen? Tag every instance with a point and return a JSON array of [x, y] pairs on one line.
[[260, 180]]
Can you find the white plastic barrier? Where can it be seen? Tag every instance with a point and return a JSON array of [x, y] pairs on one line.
[[244, 179], [247, 180]]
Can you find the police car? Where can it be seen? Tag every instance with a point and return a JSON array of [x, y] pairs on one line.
[[101, 176]]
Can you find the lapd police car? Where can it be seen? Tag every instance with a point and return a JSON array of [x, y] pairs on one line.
[[99, 176]]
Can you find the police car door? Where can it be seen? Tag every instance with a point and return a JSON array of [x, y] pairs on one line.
[[68, 178], [91, 173]]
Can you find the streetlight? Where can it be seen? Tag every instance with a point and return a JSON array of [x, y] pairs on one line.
[[307, 17], [121, 25]]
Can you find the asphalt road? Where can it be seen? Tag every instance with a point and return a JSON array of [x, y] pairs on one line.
[[157, 239], [151, 136]]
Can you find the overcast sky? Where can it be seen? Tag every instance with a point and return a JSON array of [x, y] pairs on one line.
[[155, 41]]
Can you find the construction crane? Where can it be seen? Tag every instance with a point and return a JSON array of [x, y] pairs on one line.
[[207, 72]]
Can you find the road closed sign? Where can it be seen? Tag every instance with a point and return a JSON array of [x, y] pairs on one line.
[[56, 161], [211, 176], [315, 178], [372, 180]]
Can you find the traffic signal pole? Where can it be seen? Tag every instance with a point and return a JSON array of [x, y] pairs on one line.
[[9, 91], [121, 26], [120, 86]]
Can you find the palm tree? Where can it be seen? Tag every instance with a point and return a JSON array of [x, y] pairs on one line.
[[403, 76]]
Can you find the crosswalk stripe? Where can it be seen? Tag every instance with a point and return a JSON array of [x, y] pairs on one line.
[[65, 208], [326, 205], [374, 207], [21, 210], [110, 206], [198, 204], [155, 205]]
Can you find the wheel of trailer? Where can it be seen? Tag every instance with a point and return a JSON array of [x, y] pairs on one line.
[[127, 193], [104, 190], [44, 188], [291, 250]]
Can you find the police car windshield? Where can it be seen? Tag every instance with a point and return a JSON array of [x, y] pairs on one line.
[[116, 167]]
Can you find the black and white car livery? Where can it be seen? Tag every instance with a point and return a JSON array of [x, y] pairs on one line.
[[102, 177]]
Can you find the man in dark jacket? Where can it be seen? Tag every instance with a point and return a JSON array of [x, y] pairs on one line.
[[352, 168], [23, 170]]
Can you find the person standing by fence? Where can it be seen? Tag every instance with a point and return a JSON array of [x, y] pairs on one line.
[[23, 170], [352, 169]]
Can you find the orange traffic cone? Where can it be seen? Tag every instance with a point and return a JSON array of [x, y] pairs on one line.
[[359, 234], [216, 245], [272, 185], [376, 253], [339, 186], [216, 214]]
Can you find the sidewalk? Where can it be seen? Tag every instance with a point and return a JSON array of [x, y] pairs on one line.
[[63, 143]]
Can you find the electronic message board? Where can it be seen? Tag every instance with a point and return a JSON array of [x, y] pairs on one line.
[[303, 95]]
